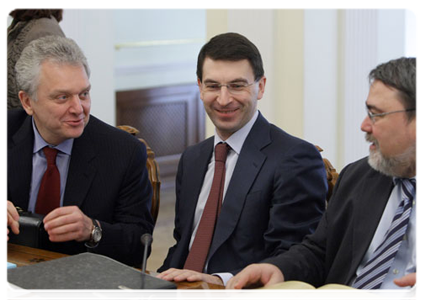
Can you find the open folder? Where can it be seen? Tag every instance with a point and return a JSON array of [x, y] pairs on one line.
[[297, 290], [84, 271]]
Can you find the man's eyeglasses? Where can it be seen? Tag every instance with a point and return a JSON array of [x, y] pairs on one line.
[[234, 87], [373, 116]]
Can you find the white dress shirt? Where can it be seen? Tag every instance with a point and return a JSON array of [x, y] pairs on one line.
[[235, 141]]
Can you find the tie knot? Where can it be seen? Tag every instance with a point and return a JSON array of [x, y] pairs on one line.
[[408, 182], [408, 187], [221, 152], [50, 154]]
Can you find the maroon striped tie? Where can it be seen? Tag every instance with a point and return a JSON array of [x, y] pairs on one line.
[[200, 247], [49, 193]]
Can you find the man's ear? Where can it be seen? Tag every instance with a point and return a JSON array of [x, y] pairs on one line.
[[26, 102], [262, 85], [200, 86]]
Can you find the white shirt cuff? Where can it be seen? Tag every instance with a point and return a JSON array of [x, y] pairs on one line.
[[224, 276]]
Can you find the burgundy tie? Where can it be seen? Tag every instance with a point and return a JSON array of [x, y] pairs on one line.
[[200, 247], [49, 193]]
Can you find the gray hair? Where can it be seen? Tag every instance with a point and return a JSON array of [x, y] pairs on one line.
[[400, 74], [51, 48]]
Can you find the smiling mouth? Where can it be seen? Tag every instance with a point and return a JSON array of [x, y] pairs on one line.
[[75, 122], [227, 111]]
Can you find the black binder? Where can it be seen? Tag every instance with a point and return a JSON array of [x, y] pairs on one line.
[[84, 271]]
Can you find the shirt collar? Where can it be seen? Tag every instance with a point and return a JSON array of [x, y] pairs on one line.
[[40, 143], [237, 139]]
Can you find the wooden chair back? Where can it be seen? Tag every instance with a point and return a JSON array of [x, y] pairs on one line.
[[331, 174], [153, 172]]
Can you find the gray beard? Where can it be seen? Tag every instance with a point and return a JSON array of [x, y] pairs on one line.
[[402, 165]]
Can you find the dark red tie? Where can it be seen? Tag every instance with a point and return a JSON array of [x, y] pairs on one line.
[[200, 247], [49, 193]]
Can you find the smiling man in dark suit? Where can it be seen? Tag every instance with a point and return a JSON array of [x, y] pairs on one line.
[[367, 237], [274, 186], [103, 197]]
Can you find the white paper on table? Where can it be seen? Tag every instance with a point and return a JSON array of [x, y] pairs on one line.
[[12, 291]]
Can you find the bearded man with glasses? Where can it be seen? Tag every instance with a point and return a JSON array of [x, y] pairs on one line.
[[273, 188], [367, 237]]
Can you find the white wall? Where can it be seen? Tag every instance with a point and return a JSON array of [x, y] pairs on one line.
[[371, 37], [410, 34], [157, 47], [9, 20], [321, 80], [91, 30]]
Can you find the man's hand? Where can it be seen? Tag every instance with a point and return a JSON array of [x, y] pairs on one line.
[[178, 275], [407, 280], [256, 275], [68, 223], [12, 219]]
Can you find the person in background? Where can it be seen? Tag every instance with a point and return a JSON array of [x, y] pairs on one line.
[[272, 186], [27, 25], [87, 178], [367, 237]]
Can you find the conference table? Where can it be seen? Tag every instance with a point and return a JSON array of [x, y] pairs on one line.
[[23, 256]]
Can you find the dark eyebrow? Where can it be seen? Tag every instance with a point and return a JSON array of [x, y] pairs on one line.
[[372, 107], [232, 81], [68, 92], [210, 81], [240, 80], [88, 88]]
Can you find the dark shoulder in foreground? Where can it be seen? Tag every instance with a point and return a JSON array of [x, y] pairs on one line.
[[276, 131], [105, 136], [15, 119], [283, 140], [362, 168], [201, 145]]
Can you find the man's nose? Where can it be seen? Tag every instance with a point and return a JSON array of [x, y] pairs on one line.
[[367, 125], [76, 105], [225, 96]]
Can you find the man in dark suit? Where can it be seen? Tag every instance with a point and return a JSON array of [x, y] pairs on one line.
[[275, 184], [349, 244], [104, 200]]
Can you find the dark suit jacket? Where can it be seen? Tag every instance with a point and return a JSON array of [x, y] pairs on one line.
[[332, 254], [275, 197], [107, 180]]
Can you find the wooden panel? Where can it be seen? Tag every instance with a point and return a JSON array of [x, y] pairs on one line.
[[169, 118]]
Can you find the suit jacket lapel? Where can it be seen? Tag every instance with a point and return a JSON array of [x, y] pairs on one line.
[[247, 168], [81, 170], [20, 158], [372, 201]]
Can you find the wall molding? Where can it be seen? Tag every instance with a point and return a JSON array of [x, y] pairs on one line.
[[155, 43], [154, 68]]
